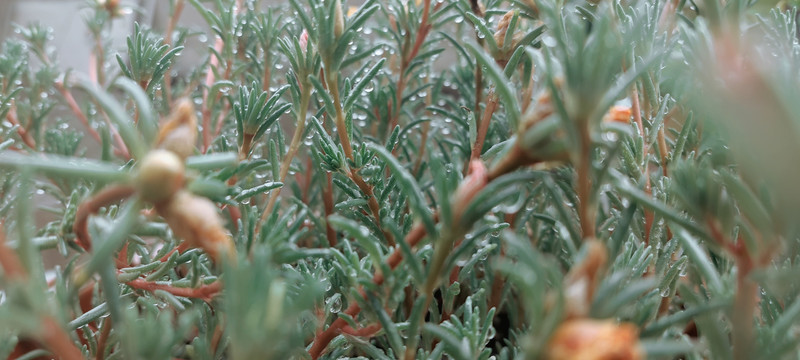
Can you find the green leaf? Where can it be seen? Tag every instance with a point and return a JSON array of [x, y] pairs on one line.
[[677, 319], [480, 26], [148, 124], [701, 260], [118, 115], [409, 187], [661, 209], [502, 85], [212, 161], [361, 85], [67, 167], [248, 193]]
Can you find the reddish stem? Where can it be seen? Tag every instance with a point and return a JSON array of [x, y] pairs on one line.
[[210, 78], [221, 117], [373, 205], [327, 198], [367, 331], [122, 257], [170, 29], [422, 33], [58, 341], [204, 292], [9, 261], [73, 106], [424, 27], [464, 194], [324, 337], [96, 60], [23, 133], [51, 333], [180, 248], [105, 330], [105, 197], [235, 214], [483, 126], [307, 179]]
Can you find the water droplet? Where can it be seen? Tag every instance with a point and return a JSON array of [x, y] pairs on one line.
[[492, 332], [334, 303], [549, 41]]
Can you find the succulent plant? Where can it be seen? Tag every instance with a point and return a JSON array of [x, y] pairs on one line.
[[548, 179]]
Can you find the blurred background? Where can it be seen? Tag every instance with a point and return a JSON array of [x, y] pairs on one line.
[[72, 44], [71, 37]]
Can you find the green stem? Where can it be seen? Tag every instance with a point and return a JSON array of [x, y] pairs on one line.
[[442, 249], [247, 143], [744, 307], [344, 138], [293, 147], [341, 127], [584, 187]]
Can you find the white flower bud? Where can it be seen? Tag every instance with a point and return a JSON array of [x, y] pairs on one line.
[[179, 133]]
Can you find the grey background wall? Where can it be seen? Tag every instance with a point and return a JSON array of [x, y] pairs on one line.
[[71, 38]]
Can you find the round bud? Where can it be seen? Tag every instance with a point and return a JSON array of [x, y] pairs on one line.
[[160, 176]]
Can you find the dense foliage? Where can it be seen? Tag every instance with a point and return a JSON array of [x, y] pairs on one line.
[[554, 179]]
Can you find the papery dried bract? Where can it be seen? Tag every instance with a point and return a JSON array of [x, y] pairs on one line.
[[618, 113], [196, 220], [179, 133], [338, 19], [304, 41], [588, 339], [502, 56]]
